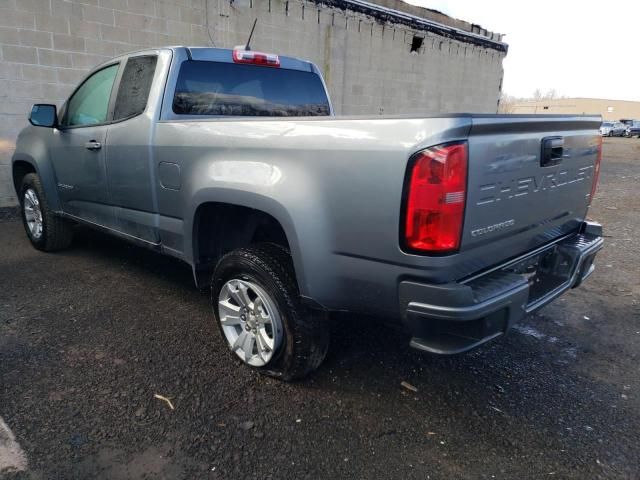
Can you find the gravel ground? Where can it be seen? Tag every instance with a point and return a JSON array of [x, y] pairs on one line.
[[89, 335]]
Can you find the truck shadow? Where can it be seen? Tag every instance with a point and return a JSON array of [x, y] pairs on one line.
[[132, 257], [529, 390], [368, 349]]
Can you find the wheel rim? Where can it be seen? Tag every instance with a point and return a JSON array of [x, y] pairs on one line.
[[250, 321], [32, 213]]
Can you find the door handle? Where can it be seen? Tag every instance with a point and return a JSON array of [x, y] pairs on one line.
[[93, 145], [552, 151]]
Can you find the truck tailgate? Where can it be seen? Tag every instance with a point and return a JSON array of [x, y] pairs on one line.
[[529, 180]]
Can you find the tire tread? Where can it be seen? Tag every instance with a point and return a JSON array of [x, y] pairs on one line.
[[58, 232], [308, 328]]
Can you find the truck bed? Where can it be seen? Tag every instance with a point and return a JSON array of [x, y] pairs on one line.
[[342, 178]]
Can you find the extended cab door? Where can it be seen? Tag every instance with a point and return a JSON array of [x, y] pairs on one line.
[[130, 168], [78, 149]]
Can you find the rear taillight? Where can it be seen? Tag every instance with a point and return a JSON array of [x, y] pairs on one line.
[[596, 170], [435, 198], [256, 58]]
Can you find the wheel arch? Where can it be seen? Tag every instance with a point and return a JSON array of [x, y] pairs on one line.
[[32, 156], [233, 219], [19, 169]]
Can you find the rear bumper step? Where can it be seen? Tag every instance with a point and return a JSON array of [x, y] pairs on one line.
[[454, 318]]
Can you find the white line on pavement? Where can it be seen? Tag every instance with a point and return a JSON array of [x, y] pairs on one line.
[[12, 457]]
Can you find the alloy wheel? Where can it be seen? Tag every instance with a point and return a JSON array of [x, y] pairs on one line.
[[250, 321], [32, 213]]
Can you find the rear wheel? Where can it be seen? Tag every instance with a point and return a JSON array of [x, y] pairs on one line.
[[257, 306], [45, 229], [250, 321]]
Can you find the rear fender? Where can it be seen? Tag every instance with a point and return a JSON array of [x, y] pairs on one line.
[[254, 201]]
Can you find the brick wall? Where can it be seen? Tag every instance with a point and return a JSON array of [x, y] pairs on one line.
[[48, 45]]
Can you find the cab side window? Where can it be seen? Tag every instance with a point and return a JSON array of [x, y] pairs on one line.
[[134, 88], [89, 105]]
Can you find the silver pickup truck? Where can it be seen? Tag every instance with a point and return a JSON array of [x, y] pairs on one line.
[[455, 226]]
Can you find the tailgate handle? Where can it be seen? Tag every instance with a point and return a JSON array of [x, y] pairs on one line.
[[552, 151]]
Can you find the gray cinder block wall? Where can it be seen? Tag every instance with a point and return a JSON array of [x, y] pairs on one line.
[[47, 46]]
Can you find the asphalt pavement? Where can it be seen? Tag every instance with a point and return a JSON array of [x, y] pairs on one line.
[[90, 336]]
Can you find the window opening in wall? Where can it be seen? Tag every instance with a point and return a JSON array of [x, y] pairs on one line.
[[416, 43]]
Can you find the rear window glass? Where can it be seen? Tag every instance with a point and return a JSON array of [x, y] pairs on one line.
[[216, 88]]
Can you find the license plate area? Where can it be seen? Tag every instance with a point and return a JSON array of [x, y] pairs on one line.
[[545, 272]]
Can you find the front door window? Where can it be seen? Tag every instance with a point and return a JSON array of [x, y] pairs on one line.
[[89, 105]]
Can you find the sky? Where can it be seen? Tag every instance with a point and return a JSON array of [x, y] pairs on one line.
[[579, 48]]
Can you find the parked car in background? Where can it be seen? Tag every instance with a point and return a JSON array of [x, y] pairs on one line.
[[632, 129], [612, 129]]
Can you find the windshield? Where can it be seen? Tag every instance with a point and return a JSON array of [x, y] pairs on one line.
[[607, 124], [216, 88]]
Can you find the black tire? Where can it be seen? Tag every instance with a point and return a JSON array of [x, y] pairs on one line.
[[57, 233], [306, 331], [611, 133]]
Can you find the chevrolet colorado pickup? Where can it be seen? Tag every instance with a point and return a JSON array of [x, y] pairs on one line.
[[455, 226]]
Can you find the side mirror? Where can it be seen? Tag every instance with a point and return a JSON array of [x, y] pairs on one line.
[[43, 115]]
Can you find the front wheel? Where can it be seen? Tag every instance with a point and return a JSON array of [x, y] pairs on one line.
[[258, 310], [45, 229]]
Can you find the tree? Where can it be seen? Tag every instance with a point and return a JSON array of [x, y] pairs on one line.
[[548, 95], [507, 103]]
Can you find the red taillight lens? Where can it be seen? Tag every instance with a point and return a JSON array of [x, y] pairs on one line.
[[256, 58], [596, 170], [436, 195]]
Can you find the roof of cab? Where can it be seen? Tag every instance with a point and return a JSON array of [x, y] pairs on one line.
[[225, 55], [212, 54]]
